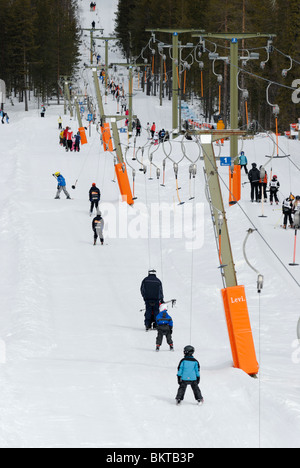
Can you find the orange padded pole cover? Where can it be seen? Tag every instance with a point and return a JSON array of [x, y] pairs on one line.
[[235, 185], [239, 329], [83, 136], [124, 184], [106, 137]]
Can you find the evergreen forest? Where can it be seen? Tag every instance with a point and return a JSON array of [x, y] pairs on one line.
[[272, 17], [39, 45]]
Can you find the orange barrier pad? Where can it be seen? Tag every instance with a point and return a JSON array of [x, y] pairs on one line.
[[83, 135], [124, 184], [239, 329], [106, 137], [235, 184]]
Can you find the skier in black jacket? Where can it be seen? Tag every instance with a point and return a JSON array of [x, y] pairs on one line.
[[152, 292], [254, 177], [95, 196]]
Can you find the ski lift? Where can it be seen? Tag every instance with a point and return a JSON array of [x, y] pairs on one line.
[[276, 112]]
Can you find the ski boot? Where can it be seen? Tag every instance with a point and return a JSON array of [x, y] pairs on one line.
[[157, 348], [200, 402], [178, 402], [171, 347]]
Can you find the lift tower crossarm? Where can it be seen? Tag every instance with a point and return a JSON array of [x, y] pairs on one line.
[[175, 63], [106, 39], [92, 30], [234, 39]]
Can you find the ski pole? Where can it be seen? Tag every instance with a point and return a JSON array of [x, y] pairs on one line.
[[173, 301]]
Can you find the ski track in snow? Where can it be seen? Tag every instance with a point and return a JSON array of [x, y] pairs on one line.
[[80, 370]]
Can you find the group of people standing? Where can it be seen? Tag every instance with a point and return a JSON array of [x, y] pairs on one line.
[[68, 140], [258, 179]]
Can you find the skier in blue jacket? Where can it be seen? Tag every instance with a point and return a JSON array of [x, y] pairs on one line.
[[164, 326], [243, 161], [61, 185], [189, 374]]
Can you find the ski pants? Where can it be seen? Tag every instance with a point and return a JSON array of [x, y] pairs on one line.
[[152, 310], [273, 196], [98, 232], [183, 387], [60, 189], [263, 191], [94, 203], [288, 216], [245, 167], [255, 191], [164, 330]]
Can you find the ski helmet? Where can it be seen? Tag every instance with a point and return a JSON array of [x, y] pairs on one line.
[[291, 197], [298, 197], [152, 272], [275, 177], [94, 185], [254, 165], [57, 174], [189, 350], [163, 307]]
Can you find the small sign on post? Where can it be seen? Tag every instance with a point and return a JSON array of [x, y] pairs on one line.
[[225, 161]]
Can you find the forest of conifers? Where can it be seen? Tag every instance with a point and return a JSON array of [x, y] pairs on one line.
[[39, 44], [220, 16]]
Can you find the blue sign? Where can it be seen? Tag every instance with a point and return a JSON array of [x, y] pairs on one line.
[[90, 117], [234, 40], [225, 161]]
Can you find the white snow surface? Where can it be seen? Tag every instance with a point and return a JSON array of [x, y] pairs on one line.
[[77, 368]]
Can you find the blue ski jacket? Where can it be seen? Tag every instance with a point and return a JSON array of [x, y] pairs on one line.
[[243, 160], [163, 318], [189, 369], [61, 181]]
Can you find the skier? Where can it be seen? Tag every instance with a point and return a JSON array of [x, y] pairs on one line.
[[243, 162], [296, 210], [138, 128], [189, 374], [61, 186], [69, 142], [98, 226], [148, 129], [95, 196], [77, 142], [153, 128], [274, 187], [152, 292], [254, 177], [287, 209], [263, 183], [59, 123], [164, 325]]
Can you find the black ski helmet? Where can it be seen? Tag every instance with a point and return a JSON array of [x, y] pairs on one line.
[[189, 350]]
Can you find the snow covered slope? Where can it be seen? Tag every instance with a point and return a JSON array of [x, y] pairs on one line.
[[78, 368]]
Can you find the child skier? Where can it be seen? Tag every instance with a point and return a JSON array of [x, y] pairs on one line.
[[189, 374], [243, 162], [95, 196], [61, 185], [287, 209], [98, 226], [164, 325], [274, 187]]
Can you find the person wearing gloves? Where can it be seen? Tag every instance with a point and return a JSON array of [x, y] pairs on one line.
[[164, 326], [61, 185], [189, 374]]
